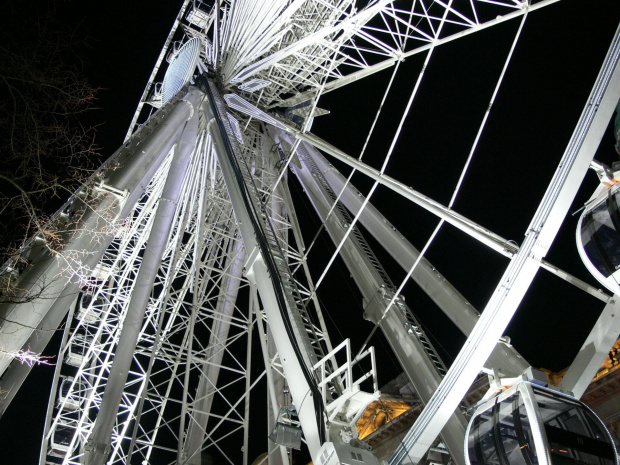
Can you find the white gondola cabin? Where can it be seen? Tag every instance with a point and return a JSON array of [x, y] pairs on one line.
[[530, 425], [78, 346], [90, 307], [598, 235], [60, 440], [68, 398]]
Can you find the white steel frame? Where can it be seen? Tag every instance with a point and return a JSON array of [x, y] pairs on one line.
[[194, 346]]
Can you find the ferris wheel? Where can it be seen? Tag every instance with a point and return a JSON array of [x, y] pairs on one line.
[[196, 279]]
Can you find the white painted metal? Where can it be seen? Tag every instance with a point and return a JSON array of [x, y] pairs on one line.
[[398, 246], [258, 273], [150, 85], [196, 328], [477, 231], [522, 269], [594, 350], [599, 198], [535, 422], [311, 373], [96, 216], [181, 69], [163, 343], [410, 344], [505, 361], [205, 392], [98, 445], [324, 45], [275, 385], [447, 298]]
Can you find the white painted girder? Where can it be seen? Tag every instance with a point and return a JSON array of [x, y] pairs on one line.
[[523, 267], [308, 66]]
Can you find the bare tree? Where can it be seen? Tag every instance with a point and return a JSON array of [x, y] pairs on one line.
[[46, 148]]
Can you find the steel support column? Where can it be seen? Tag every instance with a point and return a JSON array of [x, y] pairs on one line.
[[214, 354], [258, 273], [129, 170], [419, 361], [594, 350], [98, 447]]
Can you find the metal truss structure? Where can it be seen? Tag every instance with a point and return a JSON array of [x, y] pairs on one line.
[[185, 248]]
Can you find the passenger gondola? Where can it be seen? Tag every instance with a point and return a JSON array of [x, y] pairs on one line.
[[68, 399], [90, 308], [598, 232], [60, 440], [531, 425]]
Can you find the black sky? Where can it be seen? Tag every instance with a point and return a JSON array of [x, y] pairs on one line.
[[545, 89]]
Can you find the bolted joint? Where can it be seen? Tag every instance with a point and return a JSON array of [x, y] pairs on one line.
[[98, 448]]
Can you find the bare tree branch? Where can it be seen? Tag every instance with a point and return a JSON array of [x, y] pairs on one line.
[[47, 149]]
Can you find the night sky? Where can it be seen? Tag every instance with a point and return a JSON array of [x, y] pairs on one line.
[[544, 92]]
